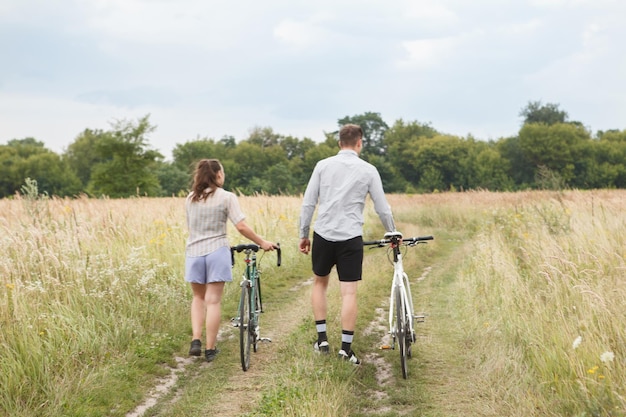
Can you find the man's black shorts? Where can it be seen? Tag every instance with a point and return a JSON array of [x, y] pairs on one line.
[[347, 255]]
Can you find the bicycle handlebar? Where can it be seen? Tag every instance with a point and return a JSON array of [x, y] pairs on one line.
[[410, 241], [254, 248]]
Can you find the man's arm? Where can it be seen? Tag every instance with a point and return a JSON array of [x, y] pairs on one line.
[[311, 195], [309, 201], [381, 206]]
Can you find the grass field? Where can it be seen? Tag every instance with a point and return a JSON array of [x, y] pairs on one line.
[[525, 303]]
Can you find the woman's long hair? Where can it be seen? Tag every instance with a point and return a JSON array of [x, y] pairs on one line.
[[205, 176]]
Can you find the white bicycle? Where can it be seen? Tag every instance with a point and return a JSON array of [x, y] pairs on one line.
[[401, 315]]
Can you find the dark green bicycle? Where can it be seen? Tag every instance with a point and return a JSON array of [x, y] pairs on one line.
[[250, 303]]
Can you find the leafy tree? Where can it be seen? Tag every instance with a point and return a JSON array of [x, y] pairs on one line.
[[82, 155], [614, 135], [263, 136], [173, 180], [251, 163], [246, 165], [549, 114], [28, 158], [489, 170], [402, 142], [228, 142], [26, 146], [311, 158], [10, 177], [374, 128], [520, 169], [558, 147], [279, 179], [53, 175], [392, 180], [127, 167], [431, 179], [605, 161], [294, 147], [437, 163], [186, 155]]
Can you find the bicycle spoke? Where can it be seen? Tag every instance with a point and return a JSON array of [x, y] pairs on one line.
[[256, 308], [244, 326], [401, 330]]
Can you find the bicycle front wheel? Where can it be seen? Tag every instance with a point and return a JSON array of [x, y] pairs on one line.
[[256, 313], [408, 317], [245, 337], [401, 331]]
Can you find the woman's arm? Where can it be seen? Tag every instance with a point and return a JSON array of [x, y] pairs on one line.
[[243, 228]]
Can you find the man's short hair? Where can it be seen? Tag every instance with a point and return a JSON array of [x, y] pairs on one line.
[[350, 134]]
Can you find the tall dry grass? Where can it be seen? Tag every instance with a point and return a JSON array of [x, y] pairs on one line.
[[93, 295], [545, 292], [85, 282], [92, 290]]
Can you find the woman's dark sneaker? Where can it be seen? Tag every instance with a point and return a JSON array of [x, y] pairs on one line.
[[210, 354], [196, 348], [349, 356]]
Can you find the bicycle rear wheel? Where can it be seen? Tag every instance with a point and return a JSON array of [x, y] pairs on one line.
[[245, 337], [401, 331]]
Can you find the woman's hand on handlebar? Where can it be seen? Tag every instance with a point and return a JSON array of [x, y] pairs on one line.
[[266, 245]]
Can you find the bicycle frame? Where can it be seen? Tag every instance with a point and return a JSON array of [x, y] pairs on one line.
[[250, 279], [400, 283]]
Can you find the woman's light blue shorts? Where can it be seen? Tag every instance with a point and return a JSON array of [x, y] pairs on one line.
[[214, 267]]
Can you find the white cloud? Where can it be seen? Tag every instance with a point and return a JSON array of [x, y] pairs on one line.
[[523, 28], [430, 13], [188, 23], [424, 54], [301, 34]]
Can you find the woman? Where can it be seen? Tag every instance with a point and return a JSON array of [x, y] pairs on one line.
[[208, 261]]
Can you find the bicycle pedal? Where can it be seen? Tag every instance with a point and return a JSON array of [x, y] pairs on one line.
[[421, 318], [265, 339], [234, 321]]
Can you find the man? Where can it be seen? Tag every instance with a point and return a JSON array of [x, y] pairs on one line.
[[340, 184]]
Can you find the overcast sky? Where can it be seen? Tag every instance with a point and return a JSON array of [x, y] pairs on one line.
[[207, 68]]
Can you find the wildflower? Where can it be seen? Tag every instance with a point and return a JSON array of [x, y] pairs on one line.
[[577, 342], [607, 357], [10, 286], [592, 370]]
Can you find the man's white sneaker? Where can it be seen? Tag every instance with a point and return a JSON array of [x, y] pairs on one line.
[[350, 357], [323, 347]]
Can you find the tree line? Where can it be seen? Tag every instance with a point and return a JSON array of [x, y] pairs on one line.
[[549, 151]]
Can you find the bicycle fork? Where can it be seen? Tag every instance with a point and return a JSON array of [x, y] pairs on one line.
[[401, 283]]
